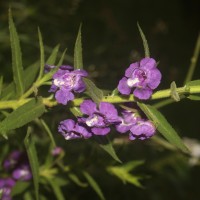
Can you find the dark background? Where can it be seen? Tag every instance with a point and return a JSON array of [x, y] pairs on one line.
[[111, 41]]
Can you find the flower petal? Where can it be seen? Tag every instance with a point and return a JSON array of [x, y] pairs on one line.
[[79, 86], [80, 72], [83, 131], [123, 87], [63, 96], [108, 110], [66, 126], [154, 78], [100, 131], [143, 130], [88, 107], [143, 93], [131, 68], [147, 63]]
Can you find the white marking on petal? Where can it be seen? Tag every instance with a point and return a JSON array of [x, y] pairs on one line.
[[92, 121], [131, 82]]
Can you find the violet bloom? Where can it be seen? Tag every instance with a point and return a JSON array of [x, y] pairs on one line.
[[100, 119], [66, 81], [142, 130], [56, 151], [128, 119], [12, 160], [6, 186], [71, 130], [143, 76], [22, 173]]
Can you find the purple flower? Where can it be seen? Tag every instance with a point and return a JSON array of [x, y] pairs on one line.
[[22, 173], [71, 130], [6, 185], [143, 76], [66, 81], [100, 119], [12, 160], [56, 151], [142, 130], [128, 119]]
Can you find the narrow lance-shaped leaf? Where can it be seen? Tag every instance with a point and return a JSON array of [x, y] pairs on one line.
[[52, 58], [78, 59], [1, 84], [93, 91], [56, 189], [49, 75], [42, 59], [30, 74], [22, 115], [94, 185], [60, 62], [122, 172], [163, 126], [107, 146], [145, 43], [16, 58], [33, 160]]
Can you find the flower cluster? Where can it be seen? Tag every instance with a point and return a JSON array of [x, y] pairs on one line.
[[65, 82], [143, 76], [18, 167], [140, 77], [97, 121], [138, 128]]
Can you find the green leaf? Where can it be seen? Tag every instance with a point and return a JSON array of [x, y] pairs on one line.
[[49, 75], [60, 62], [115, 92], [194, 97], [107, 146], [163, 126], [1, 84], [76, 180], [193, 83], [122, 172], [30, 74], [52, 58], [94, 185], [19, 188], [48, 131], [33, 160], [76, 111], [56, 189], [42, 59], [16, 58], [145, 43], [22, 115], [78, 59], [174, 93], [94, 92]]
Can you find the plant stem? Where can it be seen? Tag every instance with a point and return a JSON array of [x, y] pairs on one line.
[[13, 104]]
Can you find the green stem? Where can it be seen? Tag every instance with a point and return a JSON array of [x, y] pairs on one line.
[[193, 61], [13, 104]]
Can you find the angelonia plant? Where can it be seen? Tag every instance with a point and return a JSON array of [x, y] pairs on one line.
[[127, 111]]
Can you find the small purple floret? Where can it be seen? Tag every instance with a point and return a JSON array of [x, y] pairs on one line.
[[6, 186], [56, 151], [66, 81], [143, 77], [71, 130], [22, 173], [128, 119], [142, 130], [98, 119]]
